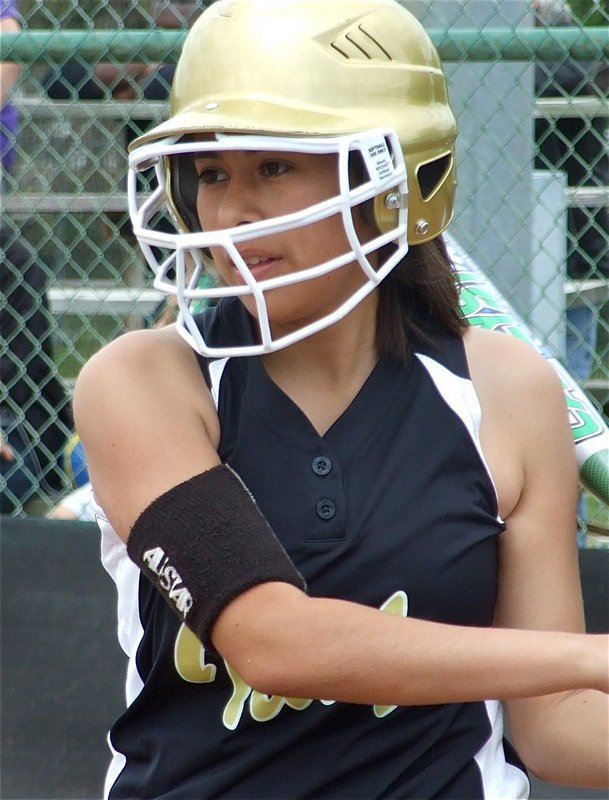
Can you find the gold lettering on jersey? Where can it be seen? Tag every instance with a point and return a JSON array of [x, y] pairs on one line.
[[189, 658], [397, 605], [234, 708], [190, 663], [263, 708]]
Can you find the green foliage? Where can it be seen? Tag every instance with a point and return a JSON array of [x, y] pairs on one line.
[[591, 12]]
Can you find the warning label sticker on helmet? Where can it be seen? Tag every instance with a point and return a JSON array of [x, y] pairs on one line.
[[377, 159]]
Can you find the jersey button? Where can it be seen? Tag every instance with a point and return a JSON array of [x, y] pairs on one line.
[[321, 465], [326, 508]]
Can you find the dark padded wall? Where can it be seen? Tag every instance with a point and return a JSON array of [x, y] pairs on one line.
[[63, 671], [62, 668], [594, 570]]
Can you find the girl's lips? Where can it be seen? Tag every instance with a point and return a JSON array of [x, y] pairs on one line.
[[259, 266]]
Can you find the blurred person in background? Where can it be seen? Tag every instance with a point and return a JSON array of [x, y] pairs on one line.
[[125, 82], [133, 81]]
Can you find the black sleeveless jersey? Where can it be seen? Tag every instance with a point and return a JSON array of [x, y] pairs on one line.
[[393, 508]]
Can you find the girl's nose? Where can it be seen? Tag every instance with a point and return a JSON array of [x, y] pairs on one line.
[[240, 202]]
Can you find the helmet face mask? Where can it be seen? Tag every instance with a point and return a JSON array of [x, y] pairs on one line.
[[312, 76], [379, 156]]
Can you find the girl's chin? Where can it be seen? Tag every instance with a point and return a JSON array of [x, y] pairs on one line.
[[282, 314]]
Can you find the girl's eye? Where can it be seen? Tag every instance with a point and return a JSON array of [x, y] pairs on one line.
[[210, 175], [272, 169]]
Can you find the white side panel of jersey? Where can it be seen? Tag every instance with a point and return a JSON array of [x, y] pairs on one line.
[[459, 395], [216, 368], [114, 770], [499, 778], [125, 575]]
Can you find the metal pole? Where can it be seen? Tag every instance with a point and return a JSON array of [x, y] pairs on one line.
[[464, 44]]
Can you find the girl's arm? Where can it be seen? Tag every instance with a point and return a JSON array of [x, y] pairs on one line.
[[562, 737]]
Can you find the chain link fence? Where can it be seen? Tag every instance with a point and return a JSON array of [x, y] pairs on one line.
[[531, 96]]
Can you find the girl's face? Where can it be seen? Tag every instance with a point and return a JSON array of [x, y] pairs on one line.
[[240, 187]]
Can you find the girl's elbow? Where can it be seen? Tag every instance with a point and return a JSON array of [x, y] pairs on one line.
[[277, 670], [272, 676], [258, 635]]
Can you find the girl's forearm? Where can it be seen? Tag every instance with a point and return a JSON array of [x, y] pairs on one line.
[[290, 645]]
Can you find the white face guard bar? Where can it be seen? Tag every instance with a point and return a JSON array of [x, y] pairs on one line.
[[382, 156]]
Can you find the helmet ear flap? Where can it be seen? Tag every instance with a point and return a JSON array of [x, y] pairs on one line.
[[431, 188]]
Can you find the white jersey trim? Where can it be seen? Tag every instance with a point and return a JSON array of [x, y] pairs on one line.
[[459, 395], [216, 370], [125, 575], [500, 779]]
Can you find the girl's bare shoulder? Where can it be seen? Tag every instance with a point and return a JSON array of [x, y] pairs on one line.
[[141, 370], [524, 428], [146, 419], [521, 396], [140, 356], [505, 367]]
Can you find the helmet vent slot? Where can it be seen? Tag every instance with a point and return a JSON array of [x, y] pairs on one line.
[[431, 175], [359, 44]]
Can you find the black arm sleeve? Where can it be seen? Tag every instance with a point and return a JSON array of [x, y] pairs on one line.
[[204, 542]]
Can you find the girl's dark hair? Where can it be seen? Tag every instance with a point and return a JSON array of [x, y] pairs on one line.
[[418, 301]]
